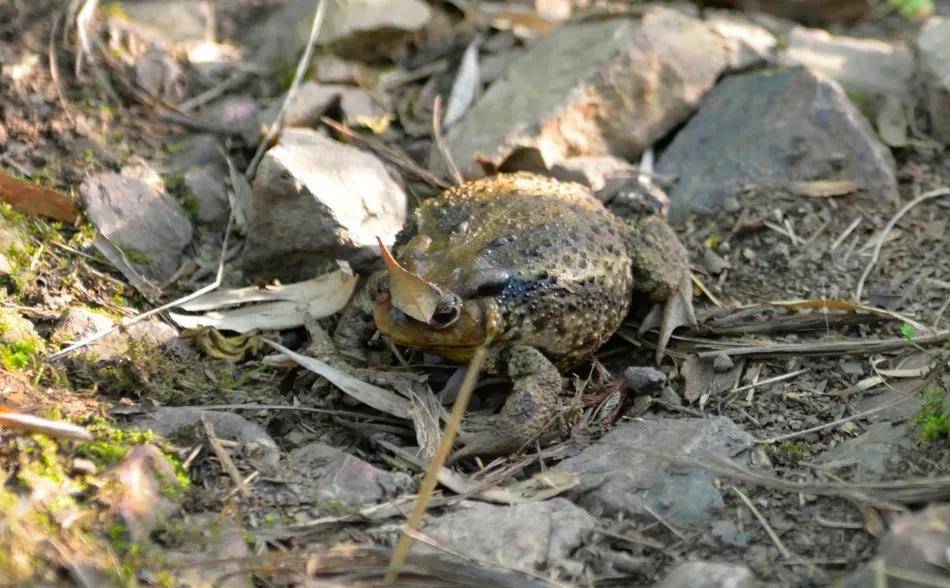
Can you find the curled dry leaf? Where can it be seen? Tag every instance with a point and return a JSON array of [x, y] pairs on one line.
[[410, 293], [278, 307], [34, 200], [826, 188], [465, 85]]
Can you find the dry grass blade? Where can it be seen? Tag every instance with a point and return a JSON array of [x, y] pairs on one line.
[[465, 86], [440, 142], [302, 66], [847, 306], [224, 458], [837, 348], [431, 476], [887, 229], [765, 524]]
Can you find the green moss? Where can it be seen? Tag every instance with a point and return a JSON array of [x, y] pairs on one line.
[[912, 9], [112, 444], [933, 419]]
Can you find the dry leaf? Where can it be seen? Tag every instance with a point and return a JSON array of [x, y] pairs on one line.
[[34, 200], [279, 307], [374, 396], [465, 85], [411, 294], [826, 188], [524, 24], [892, 122]]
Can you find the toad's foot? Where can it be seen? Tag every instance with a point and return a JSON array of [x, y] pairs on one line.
[[661, 269], [676, 311], [529, 409]]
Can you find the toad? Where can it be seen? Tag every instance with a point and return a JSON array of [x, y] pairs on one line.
[[539, 273]]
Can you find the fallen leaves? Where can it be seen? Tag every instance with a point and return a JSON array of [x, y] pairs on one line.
[[33, 200]]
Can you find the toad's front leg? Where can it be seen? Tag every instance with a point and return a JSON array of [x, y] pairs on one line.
[[529, 410], [661, 269]]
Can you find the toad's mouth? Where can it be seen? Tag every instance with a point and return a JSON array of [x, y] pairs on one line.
[[477, 324]]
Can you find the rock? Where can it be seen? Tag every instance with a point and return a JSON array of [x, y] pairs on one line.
[[359, 29], [869, 453], [918, 544], [618, 477], [13, 241], [160, 75], [316, 200], [313, 100], [177, 21], [531, 537], [207, 185], [149, 226], [196, 151], [933, 49], [707, 574], [750, 44], [239, 115], [603, 174], [865, 68], [179, 421], [138, 168], [763, 130], [645, 380], [605, 86], [333, 476], [77, 323], [14, 328]]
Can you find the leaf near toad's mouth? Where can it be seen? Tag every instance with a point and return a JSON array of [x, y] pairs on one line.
[[410, 293]]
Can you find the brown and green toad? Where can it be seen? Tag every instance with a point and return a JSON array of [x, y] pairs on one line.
[[537, 271]]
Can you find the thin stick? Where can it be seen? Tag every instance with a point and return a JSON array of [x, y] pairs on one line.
[[54, 69], [431, 476], [223, 457], [843, 348], [663, 522], [765, 524], [887, 229], [847, 232], [141, 317], [781, 378], [440, 143], [302, 66]]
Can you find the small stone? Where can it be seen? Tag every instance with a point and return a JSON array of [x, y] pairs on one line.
[[933, 48], [312, 100], [207, 185], [723, 363], [181, 421], [136, 167], [316, 200], [77, 323], [237, 114], [869, 453], [160, 74], [706, 574], [727, 532], [195, 151], [149, 226], [596, 87], [759, 130], [335, 476], [528, 537], [714, 263], [12, 239], [619, 476], [646, 380], [868, 67]]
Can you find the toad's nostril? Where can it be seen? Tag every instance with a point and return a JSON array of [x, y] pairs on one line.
[[444, 317]]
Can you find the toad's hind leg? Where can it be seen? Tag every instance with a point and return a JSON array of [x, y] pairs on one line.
[[529, 410], [661, 269]]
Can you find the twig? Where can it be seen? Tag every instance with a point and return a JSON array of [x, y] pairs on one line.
[[887, 229], [774, 380], [141, 317], [843, 348], [223, 457], [210, 94], [302, 66], [431, 476], [765, 524], [54, 69], [663, 521], [440, 143], [841, 239]]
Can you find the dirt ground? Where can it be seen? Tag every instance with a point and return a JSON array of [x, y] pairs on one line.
[[70, 518]]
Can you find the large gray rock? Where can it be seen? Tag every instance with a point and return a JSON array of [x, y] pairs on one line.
[[77, 323], [763, 130], [750, 43], [603, 86], [149, 226], [863, 67], [316, 200], [871, 453], [933, 48], [707, 574], [623, 473], [532, 537], [207, 185], [336, 477]]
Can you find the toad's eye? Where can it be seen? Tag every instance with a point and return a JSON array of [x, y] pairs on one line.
[[492, 288], [445, 316], [491, 283]]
